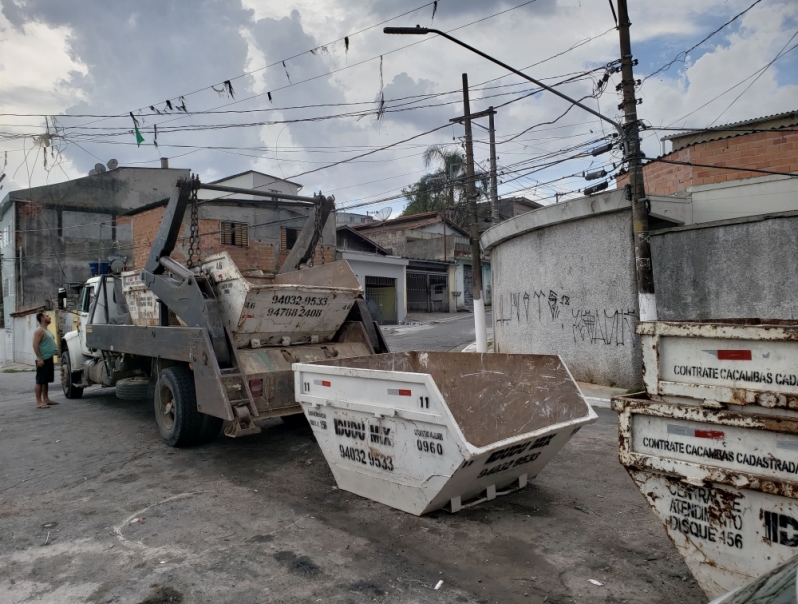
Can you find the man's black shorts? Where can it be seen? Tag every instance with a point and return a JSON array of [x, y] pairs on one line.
[[46, 373]]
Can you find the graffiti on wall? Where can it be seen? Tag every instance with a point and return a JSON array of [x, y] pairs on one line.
[[591, 325]]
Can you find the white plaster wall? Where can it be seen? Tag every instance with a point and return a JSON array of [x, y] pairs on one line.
[[364, 266]]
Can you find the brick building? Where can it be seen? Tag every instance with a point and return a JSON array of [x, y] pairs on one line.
[[694, 194], [257, 232]]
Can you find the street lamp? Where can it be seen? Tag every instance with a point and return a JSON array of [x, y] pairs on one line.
[[422, 31], [630, 139]]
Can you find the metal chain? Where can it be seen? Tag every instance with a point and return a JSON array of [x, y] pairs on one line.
[[194, 237]]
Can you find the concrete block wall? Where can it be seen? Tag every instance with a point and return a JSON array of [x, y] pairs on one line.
[[773, 150], [733, 269]]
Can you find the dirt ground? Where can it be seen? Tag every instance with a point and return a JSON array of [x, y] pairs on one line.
[[94, 508]]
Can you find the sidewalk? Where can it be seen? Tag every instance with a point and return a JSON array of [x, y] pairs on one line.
[[17, 368], [428, 318]]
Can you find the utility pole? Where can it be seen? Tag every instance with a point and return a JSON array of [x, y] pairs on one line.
[[471, 196], [494, 186], [645, 275]]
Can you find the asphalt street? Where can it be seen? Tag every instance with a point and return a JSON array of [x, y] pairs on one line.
[[452, 333], [95, 508]]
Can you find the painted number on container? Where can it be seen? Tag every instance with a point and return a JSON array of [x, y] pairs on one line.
[[299, 300], [376, 460], [427, 447], [293, 312]]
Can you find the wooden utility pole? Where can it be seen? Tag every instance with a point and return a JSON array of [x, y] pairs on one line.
[[471, 195], [645, 275], [494, 186]]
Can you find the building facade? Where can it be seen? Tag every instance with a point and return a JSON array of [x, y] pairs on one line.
[[564, 279], [383, 277], [49, 234]]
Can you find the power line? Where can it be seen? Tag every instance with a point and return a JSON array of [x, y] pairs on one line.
[[683, 55]]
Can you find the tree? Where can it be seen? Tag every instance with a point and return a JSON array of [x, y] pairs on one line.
[[445, 189]]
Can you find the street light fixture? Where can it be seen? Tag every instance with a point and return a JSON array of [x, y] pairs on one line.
[[629, 137], [422, 31]]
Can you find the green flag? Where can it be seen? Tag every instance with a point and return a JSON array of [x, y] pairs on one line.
[[139, 138]]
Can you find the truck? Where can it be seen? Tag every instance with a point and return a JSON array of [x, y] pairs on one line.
[[211, 344]]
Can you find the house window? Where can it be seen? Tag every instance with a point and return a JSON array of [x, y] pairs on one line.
[[288, 237], [5, 236], [235, 233], [7, 286]]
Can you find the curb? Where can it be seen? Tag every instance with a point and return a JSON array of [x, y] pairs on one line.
[[603, 403]]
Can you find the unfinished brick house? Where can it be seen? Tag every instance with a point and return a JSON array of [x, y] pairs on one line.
[[257, 232]]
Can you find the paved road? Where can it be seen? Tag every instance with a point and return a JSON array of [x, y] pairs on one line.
[[437, 336], [94, 508]]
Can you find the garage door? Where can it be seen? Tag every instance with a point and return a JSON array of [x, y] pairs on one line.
[[381, 299]]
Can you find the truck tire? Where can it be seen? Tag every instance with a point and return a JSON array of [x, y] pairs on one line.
[[297, 420], [132, 389], [211, 426], [179, 422], [68, 378]]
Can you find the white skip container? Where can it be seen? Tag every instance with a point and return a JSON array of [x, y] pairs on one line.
[[724, 484], [420, 431]]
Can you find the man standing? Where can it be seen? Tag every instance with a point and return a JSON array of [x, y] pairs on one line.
[[45, 349]]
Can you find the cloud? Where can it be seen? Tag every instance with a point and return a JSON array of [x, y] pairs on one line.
[[110, 58]]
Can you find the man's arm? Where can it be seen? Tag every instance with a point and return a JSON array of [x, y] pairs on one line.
[[37, 338]]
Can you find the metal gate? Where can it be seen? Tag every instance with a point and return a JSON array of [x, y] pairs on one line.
[[381, 299], [468, 285], [427, 292]]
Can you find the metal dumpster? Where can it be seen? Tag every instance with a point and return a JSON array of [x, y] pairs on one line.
[[420, 431], [300, 307], [729, 361], [713, 444]]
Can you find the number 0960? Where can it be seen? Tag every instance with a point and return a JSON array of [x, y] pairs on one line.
[[427, 447]]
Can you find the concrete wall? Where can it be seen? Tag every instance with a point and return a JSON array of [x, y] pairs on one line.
[[569, 289], [63, 227], [251, 180], [8, 281], [731, 269], [432, 248], [23, 329], [369, 265]]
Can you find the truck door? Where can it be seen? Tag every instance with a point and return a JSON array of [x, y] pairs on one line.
[[84, 306]]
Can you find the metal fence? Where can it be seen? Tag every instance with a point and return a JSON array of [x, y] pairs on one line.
[[427, 292]]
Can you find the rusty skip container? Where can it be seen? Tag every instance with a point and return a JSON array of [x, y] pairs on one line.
[[420, 431], [713, 444], [724, 484], [300, 307], [727, 362]]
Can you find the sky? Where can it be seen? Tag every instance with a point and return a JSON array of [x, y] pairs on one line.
[[300, 100]]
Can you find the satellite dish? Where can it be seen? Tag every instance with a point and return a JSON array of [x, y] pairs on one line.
[[113, 164], [92, 172], [383, 214], [100, 168]]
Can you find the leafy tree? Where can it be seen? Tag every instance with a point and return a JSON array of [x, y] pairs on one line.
[[445, 189]]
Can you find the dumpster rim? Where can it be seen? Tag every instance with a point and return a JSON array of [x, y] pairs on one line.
[[627, 406], [427, 379]]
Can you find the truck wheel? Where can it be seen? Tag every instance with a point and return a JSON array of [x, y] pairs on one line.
[[211, 426], [132, 389], [68, 378], [297, 420], [179, 422]]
